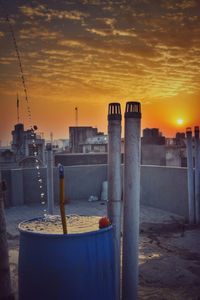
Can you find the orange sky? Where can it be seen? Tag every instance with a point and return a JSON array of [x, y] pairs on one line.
[[88, 53]]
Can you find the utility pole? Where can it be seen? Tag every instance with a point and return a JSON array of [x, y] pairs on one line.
[[51, 138], [76, 116], [17, 109]]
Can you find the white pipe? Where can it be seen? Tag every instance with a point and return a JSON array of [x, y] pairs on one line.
[[131, 201], [50, 195], [197, 175], [114, 182], [190, 176]]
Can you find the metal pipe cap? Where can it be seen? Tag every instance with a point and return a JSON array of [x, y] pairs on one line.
[[133, 110], [114, 111]]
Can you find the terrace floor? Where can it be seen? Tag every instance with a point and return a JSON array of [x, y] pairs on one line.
[[169, 250]]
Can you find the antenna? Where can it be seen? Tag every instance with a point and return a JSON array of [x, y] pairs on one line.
[[51, 137], [17, 109], [76, 116]]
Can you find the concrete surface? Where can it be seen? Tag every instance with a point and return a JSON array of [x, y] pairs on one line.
[[169, 250], [165, 188], [161, 187]]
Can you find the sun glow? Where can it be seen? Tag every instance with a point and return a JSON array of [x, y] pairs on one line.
[[179, 121]]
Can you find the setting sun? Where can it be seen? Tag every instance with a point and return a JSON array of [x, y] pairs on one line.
[[179, 121]]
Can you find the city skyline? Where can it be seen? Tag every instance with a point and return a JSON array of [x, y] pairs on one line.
[[89, 53], [54, 140]]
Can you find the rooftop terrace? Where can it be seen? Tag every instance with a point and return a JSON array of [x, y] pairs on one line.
[[169, 250]]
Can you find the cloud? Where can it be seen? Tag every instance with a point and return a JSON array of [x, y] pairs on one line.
[[94, 2], [72, 43], [112, 32], [7, 60], [184, 4], [38, 33], [110, 48], [49, 14], [98, 31]]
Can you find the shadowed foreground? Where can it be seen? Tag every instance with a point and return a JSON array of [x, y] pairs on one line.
[[169, 250]]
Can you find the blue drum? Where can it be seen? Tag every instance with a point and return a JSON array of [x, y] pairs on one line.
[[67, 267]]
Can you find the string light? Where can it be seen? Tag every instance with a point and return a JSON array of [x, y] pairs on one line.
[[33, 128]]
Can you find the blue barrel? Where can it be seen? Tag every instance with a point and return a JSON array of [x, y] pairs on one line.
[[67, 267]]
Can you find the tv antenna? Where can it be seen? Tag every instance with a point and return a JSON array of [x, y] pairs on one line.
[[17, 109], [76, 116]]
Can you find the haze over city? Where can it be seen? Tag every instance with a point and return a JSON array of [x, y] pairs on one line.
[[88, 53]]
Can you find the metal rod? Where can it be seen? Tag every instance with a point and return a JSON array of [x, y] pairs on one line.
[[17, 109], [50, 191], [62, 198], [197, 175], [76, 116], [190, 177], [114, 182], [131, 201]]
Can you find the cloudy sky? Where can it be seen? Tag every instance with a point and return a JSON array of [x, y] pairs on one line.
[[88, 53]]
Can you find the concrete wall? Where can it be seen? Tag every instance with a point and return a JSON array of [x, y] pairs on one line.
[[6, 175], [165, 188], [153, 154], [73, 159], [31, 186], [82, 181], [161, 187]]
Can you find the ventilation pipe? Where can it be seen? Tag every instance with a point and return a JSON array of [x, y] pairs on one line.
[[50, 198], [190, 177], [131, 200], [197, 175], [114, 182]]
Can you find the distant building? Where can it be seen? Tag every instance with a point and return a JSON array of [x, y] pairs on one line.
[[176, 151], [80, 136], [96, 144], [59, 145], [22, 152], [22, 143], [153, 136], [153, 147], [180, 139], [7, 158]]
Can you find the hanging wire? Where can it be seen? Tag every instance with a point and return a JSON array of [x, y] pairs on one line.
[[19, 62], [32, 128]]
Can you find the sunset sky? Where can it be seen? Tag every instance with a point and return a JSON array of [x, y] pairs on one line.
[[88, 53]]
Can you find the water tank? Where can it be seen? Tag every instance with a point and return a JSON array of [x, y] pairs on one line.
[[70, 266]]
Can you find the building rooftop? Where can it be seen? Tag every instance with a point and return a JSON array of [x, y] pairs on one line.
[[169, 251]]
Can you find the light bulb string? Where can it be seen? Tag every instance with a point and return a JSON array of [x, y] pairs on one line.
[[28, 107]]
